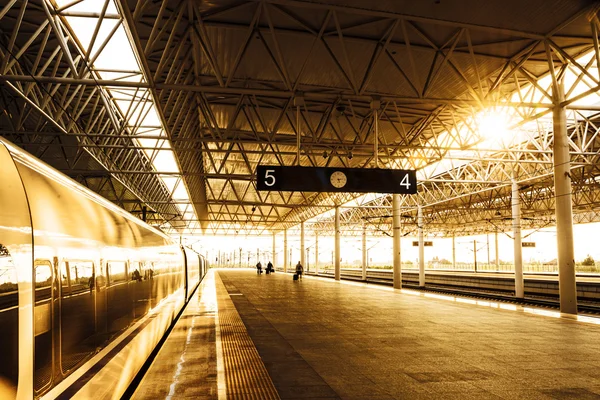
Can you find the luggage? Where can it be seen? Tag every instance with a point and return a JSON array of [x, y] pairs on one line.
[[295, 277]]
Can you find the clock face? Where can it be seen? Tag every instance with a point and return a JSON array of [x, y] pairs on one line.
[[338, 179]]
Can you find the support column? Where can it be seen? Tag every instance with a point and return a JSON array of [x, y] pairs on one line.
[[273, 260], [564, 211], [364, 252], [396, 238], [518, 250], [336, 261], [475, 254], [453, 252], [497, 253], [421, 247], [316, 252], [487, 238], [302, 247], [285, 251]]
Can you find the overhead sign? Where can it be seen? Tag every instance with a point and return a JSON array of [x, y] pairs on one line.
[[527, 244], [327, 179], [425, 243]]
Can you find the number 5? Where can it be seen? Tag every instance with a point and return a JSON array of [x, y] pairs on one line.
[[269, 174]]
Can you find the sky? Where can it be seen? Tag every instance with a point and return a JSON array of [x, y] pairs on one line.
[[380, 248]]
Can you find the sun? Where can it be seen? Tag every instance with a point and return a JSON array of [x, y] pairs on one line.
[[493, 127]]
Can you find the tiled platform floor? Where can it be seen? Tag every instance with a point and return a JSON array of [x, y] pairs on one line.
[[321, 339], [186, 365]]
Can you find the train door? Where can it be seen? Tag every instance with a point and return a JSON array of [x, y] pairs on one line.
[[101, 303], [43, 321]]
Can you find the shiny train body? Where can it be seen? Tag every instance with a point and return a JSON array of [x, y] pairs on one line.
[[86, 290]]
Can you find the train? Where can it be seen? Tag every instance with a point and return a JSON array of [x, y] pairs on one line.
[[87, 290]]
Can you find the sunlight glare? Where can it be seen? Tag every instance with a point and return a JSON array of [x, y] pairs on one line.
[[493, 127]]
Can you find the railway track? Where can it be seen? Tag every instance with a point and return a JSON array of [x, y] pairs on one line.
[[585, 305]]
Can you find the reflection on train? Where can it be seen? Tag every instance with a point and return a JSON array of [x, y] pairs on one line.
[[84, 286]]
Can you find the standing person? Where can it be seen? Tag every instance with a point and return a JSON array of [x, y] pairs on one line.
[[270, 267], [92, 282], [259, 268], [299, 270]]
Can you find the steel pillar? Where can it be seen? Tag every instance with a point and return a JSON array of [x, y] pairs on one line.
[[453, 251], [487, 239], [518, 250], [285, 251], [316, 252], [475, 255], [421, 247], [497, 254], [564, 212], [396, 238], [364, 252], [274, 261], [302, 246], [336, 261]]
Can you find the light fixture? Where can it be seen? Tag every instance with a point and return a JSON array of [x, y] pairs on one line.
[[325, 154], [350, 155], [253, 208]]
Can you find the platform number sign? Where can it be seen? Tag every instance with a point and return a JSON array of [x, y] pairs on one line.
[[269, 178], [405, 182], [327, 179]]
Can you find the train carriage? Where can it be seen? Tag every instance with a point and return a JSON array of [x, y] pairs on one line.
[[86, 289]]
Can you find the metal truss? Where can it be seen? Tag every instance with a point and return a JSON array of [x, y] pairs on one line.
[[286, 82], [36, 43]]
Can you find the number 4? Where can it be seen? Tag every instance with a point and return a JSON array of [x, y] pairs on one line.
[[405, 182]]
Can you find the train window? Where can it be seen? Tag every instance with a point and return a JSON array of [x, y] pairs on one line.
[[77, 316], [149, 270], [43, 275], [43, 281], [117, 271], [42, 324], [80, 275], [8, 274], [9, 326], [64, 278], [136, 270], [100, 278]]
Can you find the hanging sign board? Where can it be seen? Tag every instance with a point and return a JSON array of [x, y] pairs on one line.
[[527, 244], [425, 243], [327, 179]]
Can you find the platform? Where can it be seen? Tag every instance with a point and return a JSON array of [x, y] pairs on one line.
[[322, 339]]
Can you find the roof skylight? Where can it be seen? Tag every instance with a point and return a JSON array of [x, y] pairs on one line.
[[99, 30]]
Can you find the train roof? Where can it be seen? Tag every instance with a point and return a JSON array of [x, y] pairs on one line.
[[93, 202]]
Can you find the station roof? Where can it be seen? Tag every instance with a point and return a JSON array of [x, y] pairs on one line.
[[171, 105]]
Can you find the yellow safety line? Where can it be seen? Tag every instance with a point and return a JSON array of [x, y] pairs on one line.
[[244, 370]]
